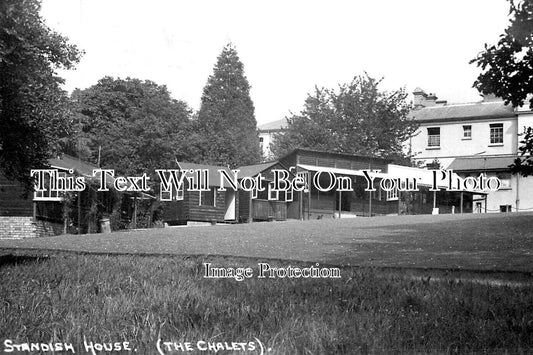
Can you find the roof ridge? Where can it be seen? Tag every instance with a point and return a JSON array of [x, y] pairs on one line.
[[466, 104]]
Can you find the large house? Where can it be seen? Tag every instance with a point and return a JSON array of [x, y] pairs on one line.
[[473, 139], [266, 135]]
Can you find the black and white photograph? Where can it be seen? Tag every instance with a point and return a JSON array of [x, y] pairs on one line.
[[251, 177]]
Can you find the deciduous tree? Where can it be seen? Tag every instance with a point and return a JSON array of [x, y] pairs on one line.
[[130, 125], [358, 118], [33, 111], [507, 71]]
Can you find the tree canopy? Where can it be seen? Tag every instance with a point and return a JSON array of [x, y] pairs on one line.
[[507, 72], [33, 111], [130, 125], [507, 67], [226, 121], [357, 118]]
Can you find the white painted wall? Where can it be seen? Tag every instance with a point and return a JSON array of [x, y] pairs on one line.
[[267, 139], [452, 143]]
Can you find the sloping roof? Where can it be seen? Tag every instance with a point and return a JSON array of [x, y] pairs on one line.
[[482, 163], [253, 170], [334, 154], [213, 174], [479, 110], [68, 162], [274, 125]]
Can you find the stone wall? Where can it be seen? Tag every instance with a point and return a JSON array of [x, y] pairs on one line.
[[26, 227]]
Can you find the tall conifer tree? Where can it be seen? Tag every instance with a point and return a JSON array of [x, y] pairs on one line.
[[226, 118]]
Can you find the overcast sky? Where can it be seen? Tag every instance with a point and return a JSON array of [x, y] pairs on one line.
[[287, 47]]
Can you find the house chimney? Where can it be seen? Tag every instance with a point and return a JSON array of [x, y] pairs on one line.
[[431, 100], [420, 98]]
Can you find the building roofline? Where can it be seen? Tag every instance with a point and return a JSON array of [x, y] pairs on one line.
[[346, 155], [466, 118]]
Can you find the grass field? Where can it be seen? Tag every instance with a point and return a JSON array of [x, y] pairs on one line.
[[70, 298], [412, 284], [502, 242]]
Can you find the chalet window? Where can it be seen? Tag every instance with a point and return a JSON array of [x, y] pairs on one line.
[[289, 196], [48, 194], [434, 137], [467, 132], [496, 133], [208, 198], [171, 193], [392, 195], [179, 193], [273, 195]]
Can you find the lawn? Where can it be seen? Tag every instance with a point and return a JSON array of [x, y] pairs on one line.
[[76, 299], [493, 242], [409, 284]]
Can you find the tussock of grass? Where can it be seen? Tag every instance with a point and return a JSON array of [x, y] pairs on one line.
[[141, 299]]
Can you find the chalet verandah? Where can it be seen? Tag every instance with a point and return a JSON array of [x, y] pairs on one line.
[[47, 213], [231, 206]]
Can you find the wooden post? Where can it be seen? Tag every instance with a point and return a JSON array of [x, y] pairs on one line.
[[134, 211], [250, 207], [150, 217], [399, 204], [461, 208], [301, 205], [340, 204], [309, 205], [79, 212], [369, 203]]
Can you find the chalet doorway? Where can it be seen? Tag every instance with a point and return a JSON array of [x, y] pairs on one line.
[[230, 205]]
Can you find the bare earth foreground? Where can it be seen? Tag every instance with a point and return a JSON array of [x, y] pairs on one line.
[[487, 242]]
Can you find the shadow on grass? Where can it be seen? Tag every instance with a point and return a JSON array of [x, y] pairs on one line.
[[10, 259]]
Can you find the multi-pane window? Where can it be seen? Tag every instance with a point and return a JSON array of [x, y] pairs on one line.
[[392, 195], [208, 198], [434, 137], [273, 195], [496, 133], [48, 194], [467, 132], [289, 196]]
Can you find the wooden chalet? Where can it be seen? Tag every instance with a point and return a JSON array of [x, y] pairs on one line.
[[34, 214], [202, 206], [316, 204], [46, 213], [263, 207]]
